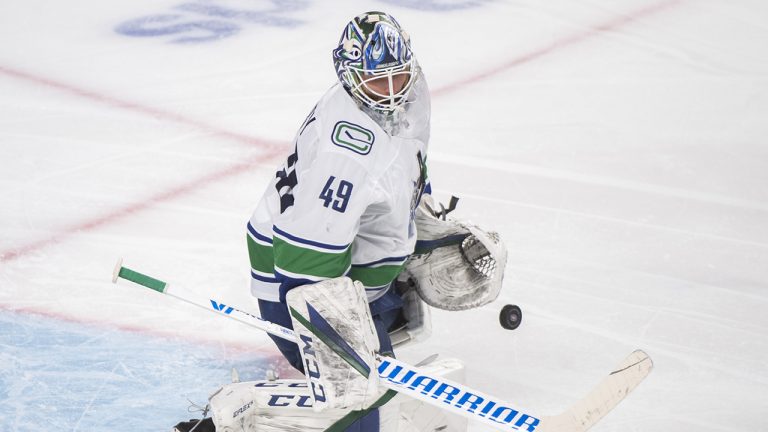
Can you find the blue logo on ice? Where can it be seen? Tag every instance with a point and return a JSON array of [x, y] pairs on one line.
[[221, 307], [201, 21]]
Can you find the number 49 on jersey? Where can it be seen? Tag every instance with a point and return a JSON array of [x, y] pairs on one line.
[[336, 195]]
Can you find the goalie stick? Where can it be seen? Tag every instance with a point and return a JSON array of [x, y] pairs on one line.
[[438, 391]]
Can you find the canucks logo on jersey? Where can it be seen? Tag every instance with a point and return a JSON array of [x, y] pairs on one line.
[[353, 137]]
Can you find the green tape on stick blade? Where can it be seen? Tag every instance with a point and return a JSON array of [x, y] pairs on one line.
[[142, 279]]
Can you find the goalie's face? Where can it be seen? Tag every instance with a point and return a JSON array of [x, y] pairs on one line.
[[385, 88]]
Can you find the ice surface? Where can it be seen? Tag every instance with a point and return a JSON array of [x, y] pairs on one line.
[[617, 146], [58, 375]]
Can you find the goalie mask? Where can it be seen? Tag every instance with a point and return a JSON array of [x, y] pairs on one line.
[[374, 61], [456, 265]]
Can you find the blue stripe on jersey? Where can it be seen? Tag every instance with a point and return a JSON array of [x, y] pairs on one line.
[[263, 278], [383, 260], [309, 242], [258, 235], [288, 283]]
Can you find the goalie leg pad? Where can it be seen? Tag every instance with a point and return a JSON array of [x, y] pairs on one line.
[[286, 405], [335, 313], [268, 406]]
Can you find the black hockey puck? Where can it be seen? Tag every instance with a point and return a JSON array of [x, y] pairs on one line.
[[510, 316]]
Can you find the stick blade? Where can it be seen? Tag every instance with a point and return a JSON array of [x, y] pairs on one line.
[[603, 398]]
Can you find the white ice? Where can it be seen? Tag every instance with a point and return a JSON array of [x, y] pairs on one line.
[[619, 147]]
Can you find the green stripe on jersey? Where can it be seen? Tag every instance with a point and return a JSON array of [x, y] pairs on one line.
[[261, 256], [375, 276], [310, 262]]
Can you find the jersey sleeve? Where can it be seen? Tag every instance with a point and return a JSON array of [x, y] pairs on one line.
[[313, 236]]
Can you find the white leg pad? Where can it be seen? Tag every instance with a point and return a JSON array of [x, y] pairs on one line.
[[286, 405], [338, 308]]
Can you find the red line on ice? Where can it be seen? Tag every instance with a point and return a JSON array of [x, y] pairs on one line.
[[273, 149], [239, 347], [133, 208], [132, 106], [559, 44]]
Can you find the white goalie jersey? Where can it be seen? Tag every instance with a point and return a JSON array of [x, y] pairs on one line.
[[344, 202]]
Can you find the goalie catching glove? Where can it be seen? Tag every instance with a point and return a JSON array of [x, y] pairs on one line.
[[456, 265]]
